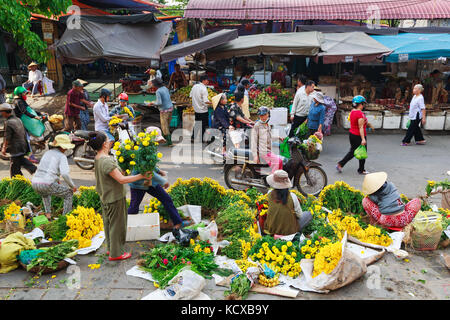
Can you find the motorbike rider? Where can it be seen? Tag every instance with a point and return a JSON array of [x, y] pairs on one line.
[[20, 108], [238, 120], [261, 141], [101, 114], [124, 109]]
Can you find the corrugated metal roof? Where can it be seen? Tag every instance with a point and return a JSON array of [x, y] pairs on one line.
[[317, 9]]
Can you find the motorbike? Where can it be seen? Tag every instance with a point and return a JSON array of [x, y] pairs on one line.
[[240, 172], [83, 154]]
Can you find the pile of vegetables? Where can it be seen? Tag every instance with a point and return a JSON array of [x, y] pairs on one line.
[[182, 95], [264, 100], [239, 288], [50, 257]]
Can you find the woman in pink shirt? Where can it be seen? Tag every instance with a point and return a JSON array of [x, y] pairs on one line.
[[357, 134]]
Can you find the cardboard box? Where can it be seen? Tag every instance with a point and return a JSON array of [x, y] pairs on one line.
[[143, 227]]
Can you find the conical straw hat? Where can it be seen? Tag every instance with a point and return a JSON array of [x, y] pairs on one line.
[[216, 99], [373, 182]]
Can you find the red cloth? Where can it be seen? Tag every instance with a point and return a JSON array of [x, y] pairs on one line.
[[396, 221], [355, 115], [73, 96]]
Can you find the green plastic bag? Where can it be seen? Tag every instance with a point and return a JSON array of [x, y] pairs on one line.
[[284, 148], [408, 124], [34, 126], [360, 152]]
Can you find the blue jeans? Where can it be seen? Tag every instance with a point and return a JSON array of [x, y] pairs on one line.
[[159, 193], [84, 117]]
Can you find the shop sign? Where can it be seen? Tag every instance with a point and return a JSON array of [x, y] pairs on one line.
[[47, 26], [402, 57], [348, 59]]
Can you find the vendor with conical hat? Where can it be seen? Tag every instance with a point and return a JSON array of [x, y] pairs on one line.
[[383, 203]]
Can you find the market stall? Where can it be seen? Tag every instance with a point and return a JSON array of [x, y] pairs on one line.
[[413, 57]]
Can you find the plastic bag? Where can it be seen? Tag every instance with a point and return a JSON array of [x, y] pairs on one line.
[[186, 285], [209, 232], [284, 148], [360, 153], [349, 268], [34, 126], [427, 230], [186, 236]]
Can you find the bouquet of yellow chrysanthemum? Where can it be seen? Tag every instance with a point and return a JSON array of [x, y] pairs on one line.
[[147, 156], [140, 155], [126, 153]]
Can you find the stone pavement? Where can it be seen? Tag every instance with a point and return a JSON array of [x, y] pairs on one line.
[[423, 277]]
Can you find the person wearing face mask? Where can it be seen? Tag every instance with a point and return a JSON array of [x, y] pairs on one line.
[[261, 141], [21, 108]]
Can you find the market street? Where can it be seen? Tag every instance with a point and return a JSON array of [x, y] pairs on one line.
[[423, 277]]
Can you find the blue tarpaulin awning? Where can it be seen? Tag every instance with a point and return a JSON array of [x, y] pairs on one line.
[[416, 46]]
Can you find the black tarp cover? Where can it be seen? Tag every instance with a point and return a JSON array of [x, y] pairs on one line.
[[120, 40]]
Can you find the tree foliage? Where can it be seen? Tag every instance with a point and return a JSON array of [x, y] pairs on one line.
[[15, 18]]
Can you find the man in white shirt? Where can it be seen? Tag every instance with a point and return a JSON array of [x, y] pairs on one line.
[[34, 79], [200, 103], [301, 105], [101, 114]]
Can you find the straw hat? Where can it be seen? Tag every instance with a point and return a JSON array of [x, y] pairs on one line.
[[373, 182], [279, 180], [62, 141], [216, 99], [32, 65], [159, 136]]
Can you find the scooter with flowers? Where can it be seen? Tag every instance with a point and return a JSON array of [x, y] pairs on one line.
[[240, 172]]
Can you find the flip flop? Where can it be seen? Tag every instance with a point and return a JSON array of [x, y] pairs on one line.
[[124, 256], [339, 169]]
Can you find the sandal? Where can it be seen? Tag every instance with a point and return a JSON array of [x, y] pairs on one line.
[[124, 256], [339, 168], [364, 172], [185, 223]]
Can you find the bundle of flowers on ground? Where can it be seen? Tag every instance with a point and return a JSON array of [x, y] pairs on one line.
[[8, 211], [355, 227], [89, 198], [281, 256], [81, 224], [342, 196], [19, 188], [84, 224], [205, 192]]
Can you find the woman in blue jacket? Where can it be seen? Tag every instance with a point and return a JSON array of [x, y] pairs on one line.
[[316, 115]]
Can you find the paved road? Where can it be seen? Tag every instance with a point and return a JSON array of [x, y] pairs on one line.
[[424, 277]]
